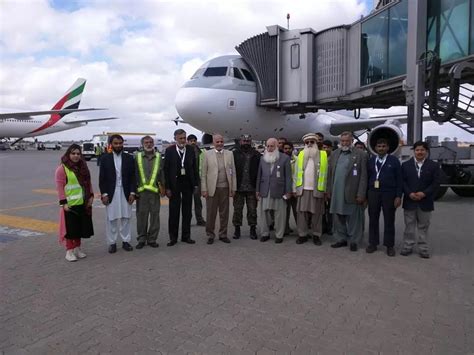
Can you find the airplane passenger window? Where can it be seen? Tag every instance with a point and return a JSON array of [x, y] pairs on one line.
[[237, 74], [248, 75], [216, 71]]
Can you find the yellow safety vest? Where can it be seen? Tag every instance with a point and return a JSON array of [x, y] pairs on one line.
[[156, 167], [322, 170], [73, 190], [201, 160]]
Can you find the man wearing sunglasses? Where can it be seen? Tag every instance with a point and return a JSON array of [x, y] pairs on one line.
[[347, 189], [310, 187]]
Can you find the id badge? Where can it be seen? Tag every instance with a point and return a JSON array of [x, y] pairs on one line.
[[183, 171], [354, 172], [377, 184], [278, 174]]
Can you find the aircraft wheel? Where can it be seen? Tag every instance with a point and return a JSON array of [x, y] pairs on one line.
[[464, 191], [440, 193]]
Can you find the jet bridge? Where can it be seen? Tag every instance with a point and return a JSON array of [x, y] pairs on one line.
[[370, 63]]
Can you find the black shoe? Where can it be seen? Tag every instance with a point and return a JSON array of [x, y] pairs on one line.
[[153, 244], [264, 238], [253, 232], [225, 240], [126, 246], [210, 241], [390, 251], [201, 223], [278, 240], [236, 232], [406, 252], [112, 248], [188, 241], [353, 247], [317, 240], [171, 243], [371, 248], [140, 245], [272, 227], [424, 254], [301, 240], [340, 244]]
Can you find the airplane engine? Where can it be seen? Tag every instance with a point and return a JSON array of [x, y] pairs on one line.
[[391, 131], [206, 138]]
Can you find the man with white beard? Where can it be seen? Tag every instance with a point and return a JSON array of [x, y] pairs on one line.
[[310, 187], [274, 185]]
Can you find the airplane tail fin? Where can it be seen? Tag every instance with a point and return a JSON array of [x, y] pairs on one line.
[[72, 97]]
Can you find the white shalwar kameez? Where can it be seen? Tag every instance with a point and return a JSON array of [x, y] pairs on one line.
[[119, 211]]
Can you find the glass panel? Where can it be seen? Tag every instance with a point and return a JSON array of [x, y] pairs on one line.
[[295, 56], [374, 49], [237, 74], [198, 73], [248, 75], [447, 24], [216, 71], [397, 39]]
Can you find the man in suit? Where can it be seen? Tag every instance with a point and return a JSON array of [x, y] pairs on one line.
[[218, 183], [420, 182], [347, 189], [288, 149], [274, 186], [181, 180], [117, 185], [385, 192], [192, 141], [310, 186]]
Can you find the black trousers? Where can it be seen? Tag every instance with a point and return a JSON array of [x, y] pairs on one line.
[[382, 201], [181, 198]]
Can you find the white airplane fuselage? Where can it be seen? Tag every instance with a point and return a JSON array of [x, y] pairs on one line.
[[13, 128]]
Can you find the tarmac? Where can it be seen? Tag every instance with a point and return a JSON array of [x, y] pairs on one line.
[[246, 297]]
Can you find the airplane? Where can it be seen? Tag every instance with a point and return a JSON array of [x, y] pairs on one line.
[[25, 124], [222, 94]]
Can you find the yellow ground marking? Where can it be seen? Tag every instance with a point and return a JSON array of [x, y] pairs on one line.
[[46, 191], [28, 223], [29, 206]]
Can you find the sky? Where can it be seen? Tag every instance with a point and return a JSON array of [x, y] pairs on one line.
[[135, 55]]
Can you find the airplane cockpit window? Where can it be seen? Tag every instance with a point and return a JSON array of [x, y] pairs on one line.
[[216, 71], [198, 73], [236, 73], [248, 75]]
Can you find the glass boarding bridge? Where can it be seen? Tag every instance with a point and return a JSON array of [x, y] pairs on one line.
[[364, 65]]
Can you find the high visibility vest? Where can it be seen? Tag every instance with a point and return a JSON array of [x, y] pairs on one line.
[[322, 170], [73, 190], [141, 172], [201, 160]]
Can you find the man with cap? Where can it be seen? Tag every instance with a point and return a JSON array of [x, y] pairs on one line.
[[192, 142], [246, 160], [310, 187], [347, 189]]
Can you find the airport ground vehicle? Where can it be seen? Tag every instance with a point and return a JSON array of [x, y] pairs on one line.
[[88, 150], [132, 141], [49, 145]]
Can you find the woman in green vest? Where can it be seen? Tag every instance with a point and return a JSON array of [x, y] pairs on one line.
[[74, 187]]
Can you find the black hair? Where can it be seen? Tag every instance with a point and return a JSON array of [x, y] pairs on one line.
[[290, 144], [328, 143], [179, 131], [382, 141], [115, 136], [319, 134], [421, 144], [191, 136]]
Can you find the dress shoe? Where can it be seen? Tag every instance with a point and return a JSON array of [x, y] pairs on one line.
[[126, 246], [278, 240], [264, 238], [317, 240], [253, 232], [140, 245], [339, 244], [424, 254], [271, 227], [171, 243], [189, 241], [225, 240], [210, 241], [301, 240], [353, 247], [236, 232], [79, 253], [153, 244], [70, 256], [201, 223], [390, 251], [370, 248], [112, 248], [406, 252]]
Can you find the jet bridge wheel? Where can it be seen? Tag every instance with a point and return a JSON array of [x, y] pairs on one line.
[[466, 178]]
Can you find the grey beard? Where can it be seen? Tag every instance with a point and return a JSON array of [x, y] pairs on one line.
[[271, 157], [345, 148]]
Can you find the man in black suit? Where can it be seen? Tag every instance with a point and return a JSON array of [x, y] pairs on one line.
[[385, 192], [420, 183], [181, 180], [117, 185]]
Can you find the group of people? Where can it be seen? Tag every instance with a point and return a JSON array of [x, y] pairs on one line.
[[326, 191]]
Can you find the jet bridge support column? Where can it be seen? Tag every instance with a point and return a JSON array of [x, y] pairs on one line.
[[415, 83]]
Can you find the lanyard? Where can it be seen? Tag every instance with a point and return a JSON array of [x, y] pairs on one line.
[[418, 168], [377, 170], [182, 157]]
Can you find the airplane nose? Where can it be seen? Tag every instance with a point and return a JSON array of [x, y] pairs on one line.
[[192, 104]]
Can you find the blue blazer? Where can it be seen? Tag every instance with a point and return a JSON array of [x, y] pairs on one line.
[[428, 183], [390, 175], [108, 177]]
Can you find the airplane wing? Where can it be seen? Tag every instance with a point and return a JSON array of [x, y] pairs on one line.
[[91, 120], [337, 127], [26, 115]]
